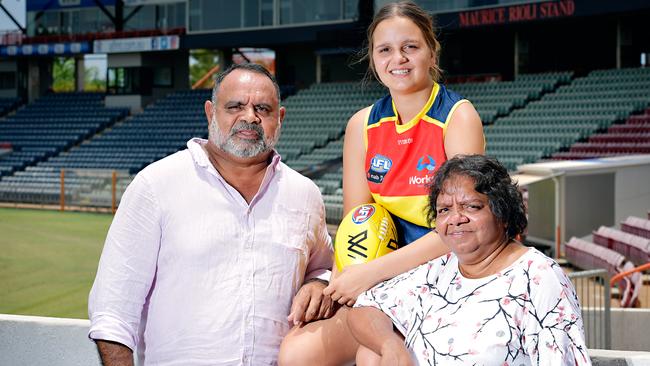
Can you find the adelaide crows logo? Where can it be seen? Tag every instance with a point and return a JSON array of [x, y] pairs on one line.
[[428, 164], [379, 167]]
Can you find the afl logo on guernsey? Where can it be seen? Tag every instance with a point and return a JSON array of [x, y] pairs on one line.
[[362, 214], [379, 167]]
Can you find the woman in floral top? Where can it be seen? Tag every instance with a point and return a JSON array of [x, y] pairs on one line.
[[492, 301]]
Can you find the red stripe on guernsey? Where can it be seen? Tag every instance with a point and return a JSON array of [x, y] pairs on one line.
[[412, 158]]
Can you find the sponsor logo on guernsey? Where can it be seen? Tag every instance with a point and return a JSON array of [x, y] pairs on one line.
[[419, 181], [427, 163], [405, 141], [362, 214], [379, 167]]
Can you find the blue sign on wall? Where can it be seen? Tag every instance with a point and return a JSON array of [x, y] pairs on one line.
[[45, 49], [38, 5]]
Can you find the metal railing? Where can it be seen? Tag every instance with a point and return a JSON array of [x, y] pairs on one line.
[[593, 290], [66, 189]]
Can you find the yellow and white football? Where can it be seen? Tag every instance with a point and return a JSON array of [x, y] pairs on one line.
[[365, 233]]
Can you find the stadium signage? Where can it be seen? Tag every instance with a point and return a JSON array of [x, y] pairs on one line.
[[45, 5], [45, 49], [517, 13], [148, 2], [140, 44]]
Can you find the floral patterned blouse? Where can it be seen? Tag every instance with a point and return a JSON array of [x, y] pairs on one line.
[[526, 314]]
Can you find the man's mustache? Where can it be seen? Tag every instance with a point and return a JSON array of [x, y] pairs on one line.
[[245, 126]]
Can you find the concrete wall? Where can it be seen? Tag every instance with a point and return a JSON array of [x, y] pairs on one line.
[[632, 192], [541, 212], [600, 357], [630, 329], [32, 340], [591, 193], [589, 199]]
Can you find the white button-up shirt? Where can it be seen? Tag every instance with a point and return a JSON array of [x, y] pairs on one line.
[[192, 274]]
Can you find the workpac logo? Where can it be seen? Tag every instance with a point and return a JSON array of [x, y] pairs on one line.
[[362, 214], [427, 163], [379, 167]]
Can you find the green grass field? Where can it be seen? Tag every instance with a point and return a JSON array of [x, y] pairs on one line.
[[48, 261]]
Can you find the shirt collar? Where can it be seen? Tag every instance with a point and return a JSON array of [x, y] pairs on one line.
[[200, 157]]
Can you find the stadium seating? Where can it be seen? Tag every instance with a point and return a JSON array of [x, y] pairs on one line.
[[633, 137], [163, 128], [497, 98], [8, 104], [587, 255], [532, 117], [52, 124], [635, 248], [636, 226], [334, 206], [316, 119], [571, 113]]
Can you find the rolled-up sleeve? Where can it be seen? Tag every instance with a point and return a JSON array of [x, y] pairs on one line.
[[127, 267]]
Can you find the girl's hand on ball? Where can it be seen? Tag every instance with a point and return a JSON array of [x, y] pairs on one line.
[[349, 284]]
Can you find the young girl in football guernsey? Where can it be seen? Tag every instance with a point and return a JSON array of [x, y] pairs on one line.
[[391, 151]]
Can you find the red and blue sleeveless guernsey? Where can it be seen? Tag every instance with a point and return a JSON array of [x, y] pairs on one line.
[[401, 159]]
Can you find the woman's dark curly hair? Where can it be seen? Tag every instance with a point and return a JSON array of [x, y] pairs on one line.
[[490, 178]]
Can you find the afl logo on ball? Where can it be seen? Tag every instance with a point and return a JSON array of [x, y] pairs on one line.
[[362, 214]]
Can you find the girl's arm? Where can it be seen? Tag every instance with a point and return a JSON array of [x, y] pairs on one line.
[[464, 135]]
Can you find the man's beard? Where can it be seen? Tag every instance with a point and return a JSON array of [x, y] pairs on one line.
[[242, 148]]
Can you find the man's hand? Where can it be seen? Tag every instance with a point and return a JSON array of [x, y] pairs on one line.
[[349, 284], [310, 304]]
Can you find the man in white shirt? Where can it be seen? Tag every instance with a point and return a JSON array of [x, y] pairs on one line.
[[215, 249]]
